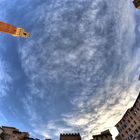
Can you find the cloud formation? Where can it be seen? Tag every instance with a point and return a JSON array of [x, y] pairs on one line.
[[81, 63], [83, 53], [5, 78]]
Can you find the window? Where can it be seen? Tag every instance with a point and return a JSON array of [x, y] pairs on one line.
[[119, 129], [136, 130], [131, 117], [125, 125], [132, 125], [135, 122], [131, 136], [135, 112], [129, 129]]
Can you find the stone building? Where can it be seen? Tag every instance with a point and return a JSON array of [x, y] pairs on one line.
[[73, 136], [1, 131], [118, 137], [11, 133], [129, 125], [105, 135]]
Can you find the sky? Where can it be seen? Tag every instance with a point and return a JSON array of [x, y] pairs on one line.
[[78, 72]]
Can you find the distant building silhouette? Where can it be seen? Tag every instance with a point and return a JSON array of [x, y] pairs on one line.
[[11, 133], [72, 136], [105, 135], [129, 125]]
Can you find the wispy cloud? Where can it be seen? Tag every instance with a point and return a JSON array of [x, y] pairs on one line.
[[3, 118], [81, 57], [52, 127], [5, 78]]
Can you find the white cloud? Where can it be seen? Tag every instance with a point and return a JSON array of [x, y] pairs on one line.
[[3, 118], [92, 54], [5, 78], [51, 127]]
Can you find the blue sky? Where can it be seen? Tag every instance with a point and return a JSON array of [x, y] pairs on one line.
[[78, 72]]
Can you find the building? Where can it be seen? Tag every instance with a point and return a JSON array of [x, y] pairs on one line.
[[11, 133], [118, 137], [137, 3], [73, 136], [12, 30], [1, 131], [105, 135], [129, 125]]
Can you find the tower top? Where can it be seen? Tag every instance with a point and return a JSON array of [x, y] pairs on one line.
[[69, 134]]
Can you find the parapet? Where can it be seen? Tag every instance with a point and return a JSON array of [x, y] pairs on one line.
[[70, 134]]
